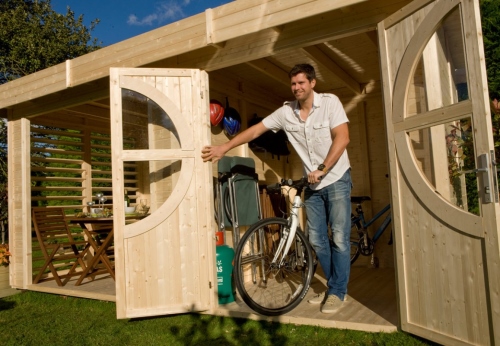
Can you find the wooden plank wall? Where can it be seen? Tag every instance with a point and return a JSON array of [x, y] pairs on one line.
[[5, 289], [368, 155], [367, 152], [269, 169]]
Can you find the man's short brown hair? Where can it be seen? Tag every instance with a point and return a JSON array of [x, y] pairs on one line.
[[306, 69]]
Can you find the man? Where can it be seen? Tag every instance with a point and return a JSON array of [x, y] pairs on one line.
[[316, 126]]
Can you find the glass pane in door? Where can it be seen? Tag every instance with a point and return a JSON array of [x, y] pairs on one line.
[[145, 124], [153, 184], [445, 156], [440, 78]]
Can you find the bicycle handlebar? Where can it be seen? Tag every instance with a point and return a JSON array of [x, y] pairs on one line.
[[296, 184]]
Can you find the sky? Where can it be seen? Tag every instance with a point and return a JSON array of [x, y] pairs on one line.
[[122, 19]]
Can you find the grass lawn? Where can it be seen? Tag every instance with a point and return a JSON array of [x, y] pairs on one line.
[[33, 318]]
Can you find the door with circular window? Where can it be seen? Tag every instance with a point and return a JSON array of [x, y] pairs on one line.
[[443, 172], [163, 242]]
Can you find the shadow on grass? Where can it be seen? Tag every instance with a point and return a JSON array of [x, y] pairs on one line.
[[25, 319], [5, 305], [199, 329], [194, 329]]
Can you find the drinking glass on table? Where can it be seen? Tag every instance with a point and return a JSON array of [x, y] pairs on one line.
[[144, 206], [90, 208]]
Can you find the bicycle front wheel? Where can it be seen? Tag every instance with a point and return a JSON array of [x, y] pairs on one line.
[[272, 287]]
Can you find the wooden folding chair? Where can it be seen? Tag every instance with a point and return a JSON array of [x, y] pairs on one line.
[[58, 246], [103, 251]]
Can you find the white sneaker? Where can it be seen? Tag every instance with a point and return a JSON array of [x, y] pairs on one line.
[[332, 304], [318, 298]]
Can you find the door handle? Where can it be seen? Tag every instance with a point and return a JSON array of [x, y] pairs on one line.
[[495, 175], [487, 165], [484, 173]]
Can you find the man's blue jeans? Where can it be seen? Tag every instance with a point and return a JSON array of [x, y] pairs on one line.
[[331, 206]]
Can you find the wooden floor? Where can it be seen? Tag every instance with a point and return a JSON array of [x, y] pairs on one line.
[[101, 288], [371, 303]]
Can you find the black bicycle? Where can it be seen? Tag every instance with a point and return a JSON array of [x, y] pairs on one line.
[[361, 243]]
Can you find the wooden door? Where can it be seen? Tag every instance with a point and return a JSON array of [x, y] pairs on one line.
[[159, 123], [443, 178]]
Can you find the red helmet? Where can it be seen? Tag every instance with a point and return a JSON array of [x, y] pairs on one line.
[[216, 112]]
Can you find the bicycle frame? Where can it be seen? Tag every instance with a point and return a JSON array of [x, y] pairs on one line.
[[361, 219], [289, 235]]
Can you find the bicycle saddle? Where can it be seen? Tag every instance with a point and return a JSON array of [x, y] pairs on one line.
[[359, 199]]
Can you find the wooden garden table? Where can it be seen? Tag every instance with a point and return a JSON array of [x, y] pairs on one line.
[[93, 227]]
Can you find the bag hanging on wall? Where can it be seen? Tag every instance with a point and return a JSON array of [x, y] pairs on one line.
[[270, 141]]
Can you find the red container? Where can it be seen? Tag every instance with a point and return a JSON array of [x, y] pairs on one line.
[[219, 238]]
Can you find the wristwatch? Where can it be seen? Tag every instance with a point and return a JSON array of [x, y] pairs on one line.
[[323, 168]]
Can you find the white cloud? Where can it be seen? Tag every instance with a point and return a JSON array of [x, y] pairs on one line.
[[148, 20], [164, 12]]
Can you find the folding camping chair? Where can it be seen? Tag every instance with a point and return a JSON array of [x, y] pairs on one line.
[[237, 194], [60, 250]]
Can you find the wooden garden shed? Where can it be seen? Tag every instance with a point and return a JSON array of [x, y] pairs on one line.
[[134, 116]]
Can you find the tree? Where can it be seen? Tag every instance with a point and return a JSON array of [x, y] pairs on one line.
[[32, 38], [490, 20]]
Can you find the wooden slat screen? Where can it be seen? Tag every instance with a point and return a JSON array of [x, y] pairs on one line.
[[70, 166]]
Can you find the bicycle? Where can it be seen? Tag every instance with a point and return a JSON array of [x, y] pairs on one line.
[[361, 243], [274, 262]]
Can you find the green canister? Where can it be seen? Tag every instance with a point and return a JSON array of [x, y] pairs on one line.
[[225, 283]]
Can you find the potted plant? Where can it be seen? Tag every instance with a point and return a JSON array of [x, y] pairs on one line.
[[4, 255], [5, 289], [4, 214]]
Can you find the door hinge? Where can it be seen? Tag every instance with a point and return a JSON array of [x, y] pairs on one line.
[[210, 284]]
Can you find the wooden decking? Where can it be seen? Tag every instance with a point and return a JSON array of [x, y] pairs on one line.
[[101, 288], [371, 303]]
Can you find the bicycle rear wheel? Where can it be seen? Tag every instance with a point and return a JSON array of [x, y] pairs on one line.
[[272, 288], [356, 238]]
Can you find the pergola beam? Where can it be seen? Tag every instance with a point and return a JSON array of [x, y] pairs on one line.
[[270, 70], [321, 58]]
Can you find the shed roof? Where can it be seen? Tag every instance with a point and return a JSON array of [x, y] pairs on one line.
[[253, 40]]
